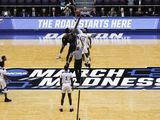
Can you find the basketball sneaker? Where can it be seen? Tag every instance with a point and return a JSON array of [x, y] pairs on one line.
[[7, 100], [71, 109], [61, 109]]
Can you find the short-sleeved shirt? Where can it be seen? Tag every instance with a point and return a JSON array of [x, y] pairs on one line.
[[66, 77], [85, 39], [77, 54], [2, 73]]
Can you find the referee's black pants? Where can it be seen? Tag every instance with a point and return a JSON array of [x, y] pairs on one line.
[[77, 68], [70, 50]]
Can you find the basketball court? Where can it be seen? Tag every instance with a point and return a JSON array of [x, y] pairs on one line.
[[94, 104]]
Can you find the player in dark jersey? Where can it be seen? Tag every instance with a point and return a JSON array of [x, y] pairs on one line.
[[64, 42], [72, 41]]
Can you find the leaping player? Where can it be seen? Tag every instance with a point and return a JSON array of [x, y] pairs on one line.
[[64, 42], [72, 40], [86, 40]]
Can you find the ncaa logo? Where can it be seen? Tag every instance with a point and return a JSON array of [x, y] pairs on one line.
[[16, 72]]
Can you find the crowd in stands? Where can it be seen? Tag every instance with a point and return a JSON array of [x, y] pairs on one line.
[[110, 8]]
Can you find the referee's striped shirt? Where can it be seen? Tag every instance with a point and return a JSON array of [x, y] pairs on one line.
[[77, 54]]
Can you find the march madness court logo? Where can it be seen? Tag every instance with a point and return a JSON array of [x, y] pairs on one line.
[[96, 78]]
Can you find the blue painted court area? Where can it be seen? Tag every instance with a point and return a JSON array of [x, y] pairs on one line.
[[95, 78]]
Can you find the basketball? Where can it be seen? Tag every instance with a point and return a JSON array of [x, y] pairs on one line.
[[77, 12]]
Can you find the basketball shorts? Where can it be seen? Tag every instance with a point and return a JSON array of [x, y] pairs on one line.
[[3, 86], [64, 42], [85, 50], [66, 88]]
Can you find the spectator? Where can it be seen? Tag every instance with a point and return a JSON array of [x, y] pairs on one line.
[[157, 11], [14, 12], [71, 6], [69, 1], [131, 12], [102, 12], [66, 10], [44, 12], [93, 12], [53, 11], [24, 12], [131, 2], [33, 12], [122, 13], [149, 12], [29, 12], [6, 12], [140, 2], [85, 12], [139, 12], [112, 13], [98, 11]]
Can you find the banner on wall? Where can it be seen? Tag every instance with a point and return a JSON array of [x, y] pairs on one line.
[[94, 23], [96, 78]]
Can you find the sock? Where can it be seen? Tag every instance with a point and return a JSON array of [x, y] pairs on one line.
[[61, 107], [71, 107]]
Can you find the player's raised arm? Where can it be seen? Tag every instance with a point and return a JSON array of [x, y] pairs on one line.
[[79, 31], [75, 28]]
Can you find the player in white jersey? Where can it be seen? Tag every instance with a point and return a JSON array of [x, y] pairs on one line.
[[86, 39], [66, 83], [3, 78]]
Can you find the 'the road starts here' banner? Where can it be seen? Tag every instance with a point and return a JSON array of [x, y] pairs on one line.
[[54, 23]]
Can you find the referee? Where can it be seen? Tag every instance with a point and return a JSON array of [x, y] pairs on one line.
[[77, 62]]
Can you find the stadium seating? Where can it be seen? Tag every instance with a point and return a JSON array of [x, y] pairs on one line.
[[115, 2], [107, 2], [156, 2], [36, 2], [45, 2], [147, 2], [12, 2], [28, 2], [54, 2], [3, 2], [20, 2], [99, 2], [122, 2], [107, 5]]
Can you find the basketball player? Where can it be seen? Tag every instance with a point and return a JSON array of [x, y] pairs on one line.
[[72, 40], [3, 79], [64, 42], [72, 44], [66, 83], [86, 40], [77, 62]]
